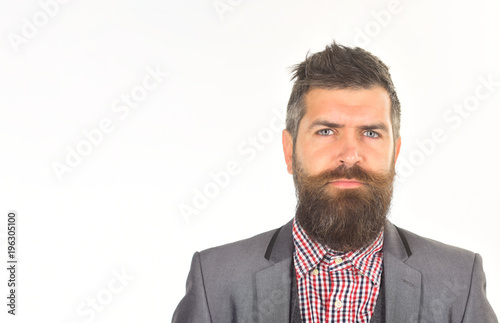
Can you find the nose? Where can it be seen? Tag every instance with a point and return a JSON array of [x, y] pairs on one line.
[[349, 152]]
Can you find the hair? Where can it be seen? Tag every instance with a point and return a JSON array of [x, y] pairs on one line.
[[339, 67]]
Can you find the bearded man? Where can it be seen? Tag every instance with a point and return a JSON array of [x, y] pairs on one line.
[[339, 259]]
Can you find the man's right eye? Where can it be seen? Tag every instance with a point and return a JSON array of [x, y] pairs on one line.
[[325, 132]]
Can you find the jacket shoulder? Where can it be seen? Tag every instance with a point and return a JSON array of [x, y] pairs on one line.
[[453, 284], [221, 280], [247, 253], [445, 270], [432, 251]]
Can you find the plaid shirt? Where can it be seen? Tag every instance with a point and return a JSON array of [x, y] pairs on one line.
[[336, 286]]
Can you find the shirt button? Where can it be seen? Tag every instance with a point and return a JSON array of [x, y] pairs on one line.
[[338, 260], [338, 304], [315, 271]]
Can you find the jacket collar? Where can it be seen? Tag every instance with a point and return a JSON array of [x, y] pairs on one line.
[[274, 282], [402, 282]]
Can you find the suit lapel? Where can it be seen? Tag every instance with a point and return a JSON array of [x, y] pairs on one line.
[[273, 292], [275, 299], [274, 282], [402, 282], [295, 316]]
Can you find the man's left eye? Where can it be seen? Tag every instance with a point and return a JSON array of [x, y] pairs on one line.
[[371, 134]]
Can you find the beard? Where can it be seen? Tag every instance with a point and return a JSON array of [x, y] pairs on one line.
[[343, 219]]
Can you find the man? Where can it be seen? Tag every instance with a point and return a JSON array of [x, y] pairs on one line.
[[339, 259]]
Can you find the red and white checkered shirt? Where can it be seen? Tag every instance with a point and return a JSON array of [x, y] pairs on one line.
[[336, 286]]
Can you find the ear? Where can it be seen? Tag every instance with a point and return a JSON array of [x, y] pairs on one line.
[[397, 148], [287, 141]]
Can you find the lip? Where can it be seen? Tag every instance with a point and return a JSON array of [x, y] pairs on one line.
[[347, 183]]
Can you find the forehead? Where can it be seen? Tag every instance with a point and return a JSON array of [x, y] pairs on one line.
[[348, 106]]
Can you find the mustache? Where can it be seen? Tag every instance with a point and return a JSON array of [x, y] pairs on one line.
[[354, 172]]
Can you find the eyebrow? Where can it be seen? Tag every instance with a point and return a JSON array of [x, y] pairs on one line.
[[373, 126]]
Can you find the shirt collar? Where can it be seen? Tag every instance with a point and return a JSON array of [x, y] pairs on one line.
[[309, 254]]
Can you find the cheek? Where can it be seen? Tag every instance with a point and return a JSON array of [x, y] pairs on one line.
[[315, 159], [380, 159]]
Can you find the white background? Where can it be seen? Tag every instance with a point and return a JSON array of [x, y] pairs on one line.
[[228, 79]]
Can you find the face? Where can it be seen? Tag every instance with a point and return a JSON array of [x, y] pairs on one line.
[[344, 127], [343, 165]]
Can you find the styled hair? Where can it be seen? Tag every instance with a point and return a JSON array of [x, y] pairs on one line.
[[339, 67]]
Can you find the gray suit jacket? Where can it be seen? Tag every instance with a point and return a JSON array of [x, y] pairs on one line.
[[252, 281]]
